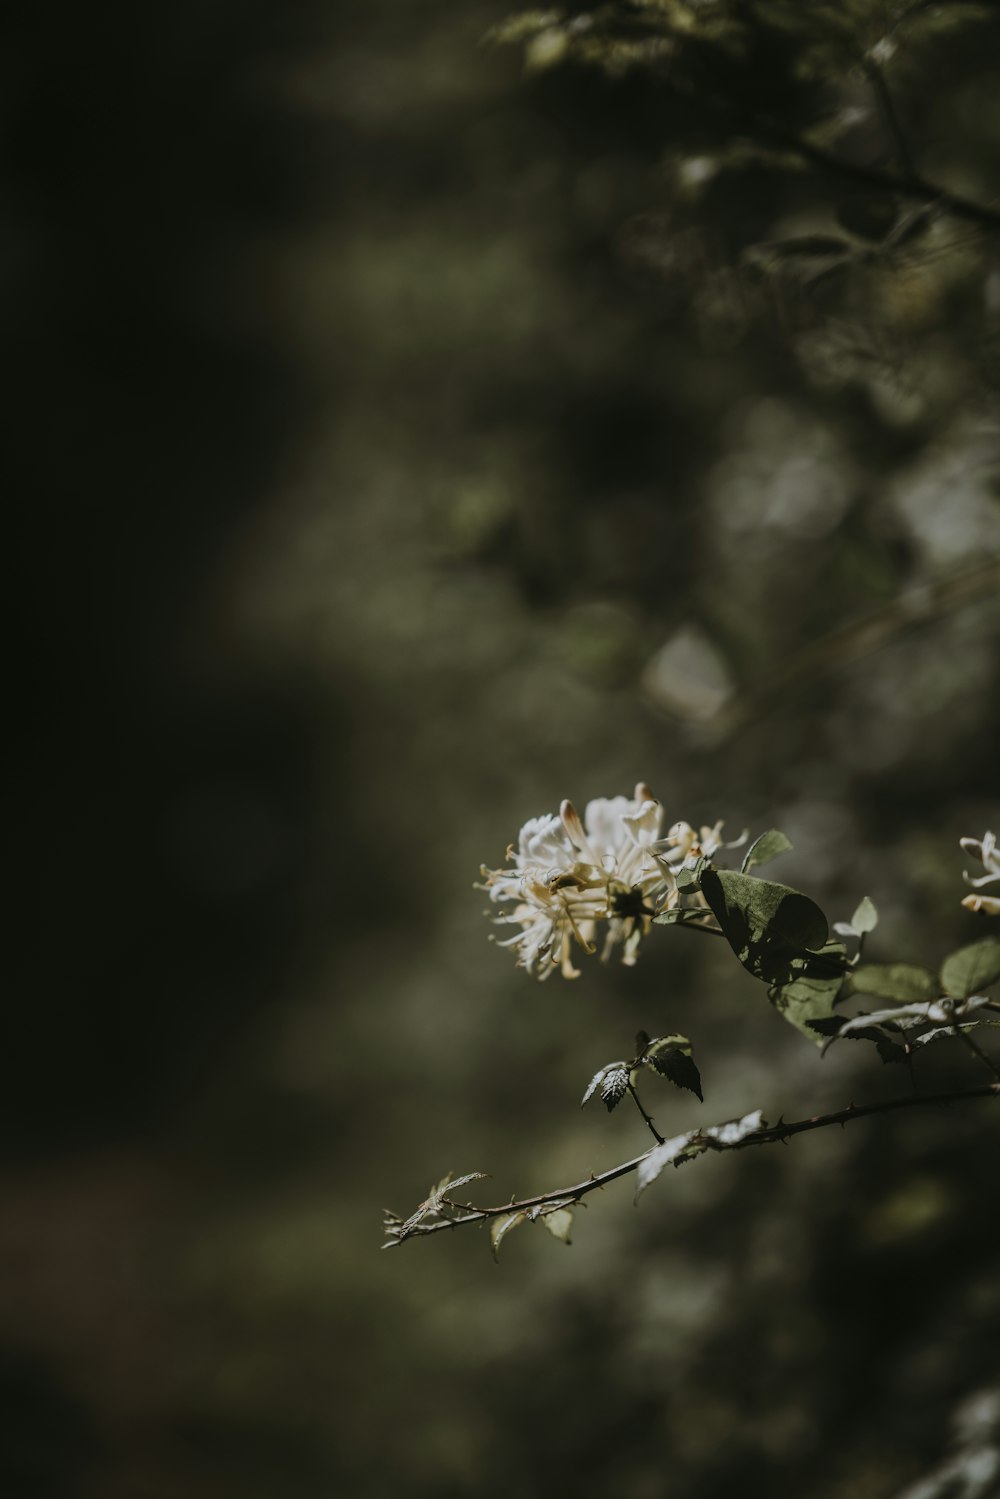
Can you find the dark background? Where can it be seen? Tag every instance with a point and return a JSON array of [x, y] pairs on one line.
[[391, 454]]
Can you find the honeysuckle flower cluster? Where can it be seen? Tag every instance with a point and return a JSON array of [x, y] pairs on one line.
[[568, 875], [986, 851]]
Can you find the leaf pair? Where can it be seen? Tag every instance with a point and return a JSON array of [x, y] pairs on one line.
[[963, 974], [669, 1056]]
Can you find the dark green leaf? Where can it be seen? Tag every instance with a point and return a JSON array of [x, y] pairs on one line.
[[735, 1131], [807, 999], [972, 969], [830, 1026], [781, 937], [904, 982], [765, 848], [766, 923], [671, 1057]]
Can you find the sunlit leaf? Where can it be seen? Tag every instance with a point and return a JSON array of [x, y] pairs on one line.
[[559, 1222], [865, 918], [594, 1084], [685, 1147], [671, 1152], [736, 1130]]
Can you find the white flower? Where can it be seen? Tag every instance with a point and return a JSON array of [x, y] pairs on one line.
[[567, 875], [684, 844], [986, 851]]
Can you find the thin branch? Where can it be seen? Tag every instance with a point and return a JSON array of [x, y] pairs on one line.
[[651, 1126], [698, 923], [977, 1051], [905, 185], [767, 1134], [887, 109], [909, 610]]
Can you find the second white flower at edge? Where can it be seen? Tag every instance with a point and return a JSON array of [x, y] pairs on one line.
[[986, 851], [568, 875]]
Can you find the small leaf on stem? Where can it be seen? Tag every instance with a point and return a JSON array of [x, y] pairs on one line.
[[559, 1222], [671, 1057], [865, 918], [765, 848], [500, 1228]]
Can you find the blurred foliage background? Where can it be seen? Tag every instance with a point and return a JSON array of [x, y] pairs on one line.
[[399, 440]]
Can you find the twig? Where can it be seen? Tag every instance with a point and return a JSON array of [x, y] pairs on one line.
[[652, 1127], [905, 185], [853, 641], [767, 1134], [887, 109], [977, 1050], [698, 922]]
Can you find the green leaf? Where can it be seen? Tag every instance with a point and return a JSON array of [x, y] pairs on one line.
[[904, 982], [972, 968], [766, 923], [781, 937], [765, 848], [671, 1057], [689, 880], [831, 1027], [808, 999], [865, 918], [559, 1222], [500, 1227]]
